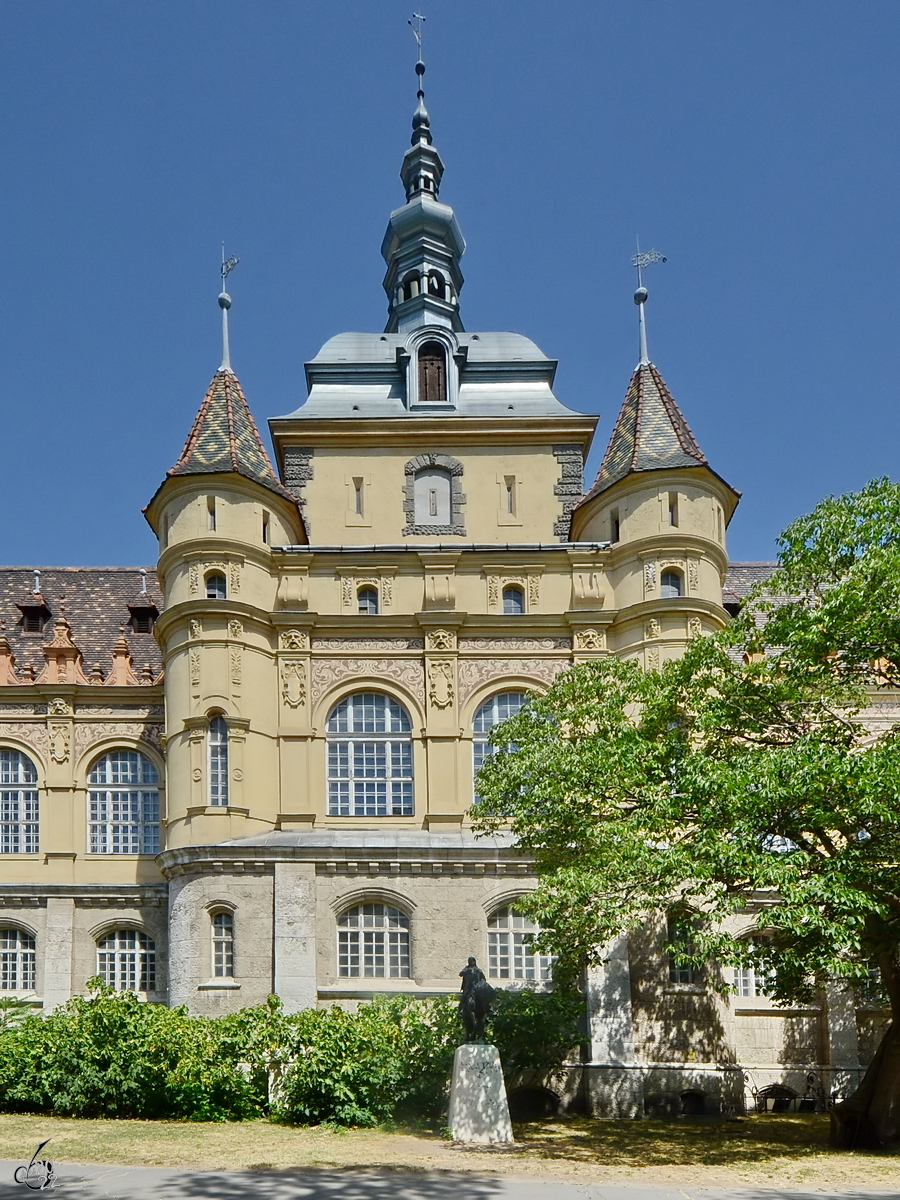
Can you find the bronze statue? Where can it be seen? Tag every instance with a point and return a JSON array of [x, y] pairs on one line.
[[475, 1002]]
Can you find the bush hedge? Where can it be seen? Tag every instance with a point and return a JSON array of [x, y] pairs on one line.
[[110, 1055]]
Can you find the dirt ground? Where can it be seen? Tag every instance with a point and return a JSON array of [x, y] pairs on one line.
[[769, 1150]]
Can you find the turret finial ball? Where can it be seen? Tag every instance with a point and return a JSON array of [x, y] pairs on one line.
[[640, 296], [224, 300], [420, 68]]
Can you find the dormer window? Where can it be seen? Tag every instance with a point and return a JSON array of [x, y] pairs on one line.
[[35, 614], [142, 618], [432, 374]]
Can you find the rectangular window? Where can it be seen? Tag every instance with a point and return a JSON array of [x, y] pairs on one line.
[[673, 508], [614, 526], [211, 513]]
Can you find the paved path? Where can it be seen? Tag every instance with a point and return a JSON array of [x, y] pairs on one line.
[[99, 1182]]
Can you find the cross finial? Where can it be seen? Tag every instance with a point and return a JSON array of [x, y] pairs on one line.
[[415, 24], [640, 262], [228, 265]]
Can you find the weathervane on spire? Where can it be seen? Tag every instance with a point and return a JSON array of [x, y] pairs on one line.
[[641, 261], [228, 265]]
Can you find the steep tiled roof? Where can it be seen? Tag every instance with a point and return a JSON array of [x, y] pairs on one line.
[[224, 438], [650, 433], [95, 602], [742, 577]]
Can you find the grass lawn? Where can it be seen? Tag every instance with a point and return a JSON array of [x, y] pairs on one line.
[[784, 1151]]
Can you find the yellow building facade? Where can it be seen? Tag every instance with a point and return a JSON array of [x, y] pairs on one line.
[[249, 769]]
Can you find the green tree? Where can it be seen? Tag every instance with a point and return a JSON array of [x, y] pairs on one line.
[[726, 784]]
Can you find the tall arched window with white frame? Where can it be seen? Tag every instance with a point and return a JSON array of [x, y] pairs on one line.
[[510, 955], [370, 768], [18, 961], [126, 960], [19, 808], [373, 941], [222, 928], [217, 751], [123, 804]]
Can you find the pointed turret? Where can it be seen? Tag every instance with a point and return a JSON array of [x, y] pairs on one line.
[[423, 243], [224, 438]]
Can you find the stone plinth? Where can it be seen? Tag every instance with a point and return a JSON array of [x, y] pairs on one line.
[[479, 1111]]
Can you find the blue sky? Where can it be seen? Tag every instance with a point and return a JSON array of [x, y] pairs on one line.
[[756, 145]]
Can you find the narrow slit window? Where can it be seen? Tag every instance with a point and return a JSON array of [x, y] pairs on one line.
[[673, 508], [265, 528], [211, 513], [432, 502], [358, 495], [510, 482], [614, 527]]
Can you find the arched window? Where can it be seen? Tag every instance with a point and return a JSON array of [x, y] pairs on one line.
[[18, 965], [367, 601], [671, 584], [222, 927], [373, 941], [123, 804], [489, 714], [436, 284], [513, 601], [215, 586], [753, 979], [509, 949], [126, 960], [217, 740], [431, 492], [369, 758], [432, 373], [18, 804]]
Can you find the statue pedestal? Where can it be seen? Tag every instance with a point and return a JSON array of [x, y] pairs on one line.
[[479, 1112]]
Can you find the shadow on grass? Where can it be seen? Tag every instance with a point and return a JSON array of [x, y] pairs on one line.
[[711, 1141]]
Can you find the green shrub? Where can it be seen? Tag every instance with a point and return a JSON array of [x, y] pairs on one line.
[[110, 1055]]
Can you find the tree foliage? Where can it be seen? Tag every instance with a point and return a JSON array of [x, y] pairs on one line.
[[736, 789]]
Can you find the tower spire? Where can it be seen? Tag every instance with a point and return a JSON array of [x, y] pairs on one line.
[[421, 123], [641, 261], [227, 267]]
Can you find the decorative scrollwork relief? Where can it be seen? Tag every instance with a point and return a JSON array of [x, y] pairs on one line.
[[472, 673], [58, 733], [653, 658], [328, 672], [649, 576], [236, 667], [347, 590], [293, 683], [693, 575], [32, 735], [195, 577], [387, 591], [195, 667], [93, 734], [534, 590], [515, 643], [235, 578], [440, 683], [373, 644]]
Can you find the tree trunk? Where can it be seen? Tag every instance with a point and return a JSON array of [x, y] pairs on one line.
[[870, 1118]]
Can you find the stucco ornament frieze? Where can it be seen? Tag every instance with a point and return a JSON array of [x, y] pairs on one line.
[[590, 639], [294, 639], [32, 735], [293, 683], [440, 683], [515, 643], [326, 673], [106, 731], [18, 710], [441, 639], [371, 644], [473, 673]]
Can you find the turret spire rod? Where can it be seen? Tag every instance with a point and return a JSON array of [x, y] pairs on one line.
[[227, 267], [641, 261]]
